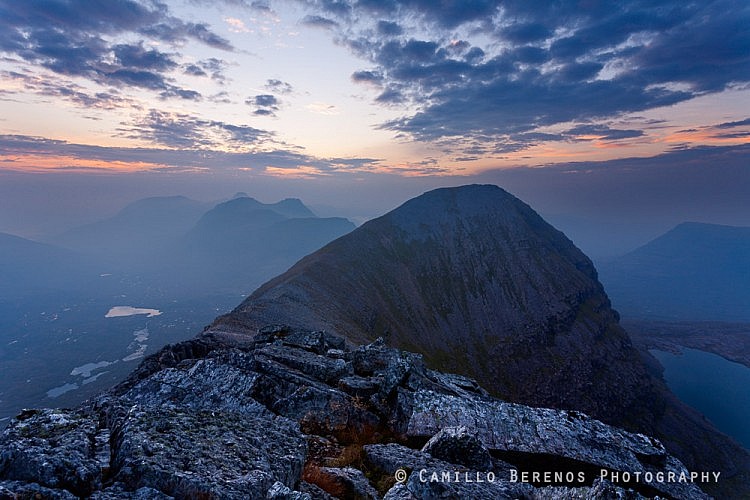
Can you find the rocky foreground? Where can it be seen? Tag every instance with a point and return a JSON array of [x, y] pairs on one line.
[[297, 414]]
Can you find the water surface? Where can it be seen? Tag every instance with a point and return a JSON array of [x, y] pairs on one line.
[[716, 387], [119, 311]]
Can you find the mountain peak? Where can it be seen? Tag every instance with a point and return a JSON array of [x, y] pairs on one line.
[[466, 276]]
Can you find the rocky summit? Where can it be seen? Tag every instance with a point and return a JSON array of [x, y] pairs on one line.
[[298, 414]]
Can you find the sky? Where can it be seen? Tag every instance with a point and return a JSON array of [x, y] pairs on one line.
[[631, 115]]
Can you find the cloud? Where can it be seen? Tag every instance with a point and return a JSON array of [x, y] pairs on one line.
[[602, 132], [193, 154], [265, 104], [389, 28], [279, 87], [491, 69], [212, 67], [322, 108], [70, 91], [741, 123], [371, 77], [236, 25], [319, 22], [87, 39], [180, 130]]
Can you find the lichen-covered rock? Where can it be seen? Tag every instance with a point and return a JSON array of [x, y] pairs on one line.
[[315, 492], [601, 489], [507, 427], [345, 482], [279, 491], [54, 448], [457, 445], [225, 382], [434, 483], [193, 454], [13, 490], [118, 492]]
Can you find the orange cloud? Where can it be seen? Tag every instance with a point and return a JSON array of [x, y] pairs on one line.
[[50, 163]]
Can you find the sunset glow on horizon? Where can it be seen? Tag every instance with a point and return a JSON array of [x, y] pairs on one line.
[[357, 105], [450, 90]]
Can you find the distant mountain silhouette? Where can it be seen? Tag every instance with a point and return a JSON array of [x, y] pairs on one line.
[[139, 229], [693, 272], [176, 242], [477, 282], [30, 267], [241, 233]]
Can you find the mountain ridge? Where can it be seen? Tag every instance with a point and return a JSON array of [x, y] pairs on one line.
[[502, 281], [693, 272]]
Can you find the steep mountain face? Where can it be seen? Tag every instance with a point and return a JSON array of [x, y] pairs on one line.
[[478, 283], [693, 272], [298, 415], [475, 281]]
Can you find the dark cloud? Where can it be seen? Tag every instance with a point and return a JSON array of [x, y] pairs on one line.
[[732, 135], [740, 123], [372, 77], [446, 13], [70, 91], [319, 22], [266, 100], [202, 33], [261, 5], [220, 97], [526, 32], [188, 155], [195, 70], [73, 37], [279, 87], [558, 62], [389, 28], [137, 56], [525, 103], [212, 67], [265, 104], [602, 132], [391, 96], [179, 130]]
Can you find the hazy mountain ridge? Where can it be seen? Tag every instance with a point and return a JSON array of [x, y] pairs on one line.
[[139, 228], [53, 300], [28, 267], [694, 272]]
